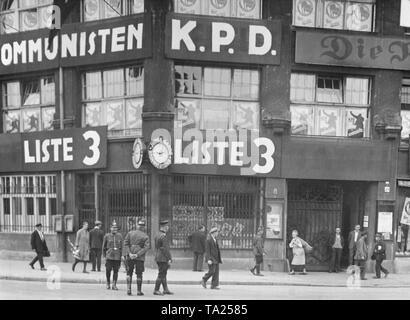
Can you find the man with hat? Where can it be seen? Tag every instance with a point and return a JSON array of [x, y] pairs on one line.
[[136, 245], [163, 258], [112, 248], [96, 243], [197, 243], [379, 254], [259, 252], [213, 257], [39, 245]]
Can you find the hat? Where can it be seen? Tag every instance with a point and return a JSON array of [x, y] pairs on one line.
[[38, 225], [141, 223], [163, 222], [213, 230], [98, 223], [378, 234], [114, 224]]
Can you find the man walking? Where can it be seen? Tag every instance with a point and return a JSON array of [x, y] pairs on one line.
[[197, 243], [112, 248], [136, 245], [96, 244], [39, 245], [354, 236], [336, 244], [213, 257], [163, 259], [361, 255], [379, 254], [259, 252]]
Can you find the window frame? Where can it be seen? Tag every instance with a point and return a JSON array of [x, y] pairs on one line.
[[405, 107], [126, 10]]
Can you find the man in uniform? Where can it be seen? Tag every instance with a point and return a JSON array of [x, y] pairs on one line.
[[112, 248], [136, 245], [163, 259]]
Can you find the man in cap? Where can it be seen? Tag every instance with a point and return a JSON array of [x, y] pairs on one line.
[[136, 245], [96, 244], [197, 244], [39, 245], [163, 258], [379, 254], [112, 248], [259, 252], [213, 257]]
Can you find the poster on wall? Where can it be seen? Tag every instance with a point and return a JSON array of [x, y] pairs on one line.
[[405, 216], [385, 222], [249, 9], [219, 8], [305, 13], [333, 15], [188, 114], [405, 122], [329, 121], [274, 213], [302, 120], [359, 16], [405, 13], [188, 6], [356, 120]]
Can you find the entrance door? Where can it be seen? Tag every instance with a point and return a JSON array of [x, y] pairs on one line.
[[315, 210]]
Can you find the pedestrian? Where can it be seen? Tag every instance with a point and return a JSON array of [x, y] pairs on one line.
[[379, 254], [163, 259], [298, 246], [354, 236], [96, 244], [136, 245], [259, 252], [213, 257], [39, 245], [82, 244], [112, 249], [361, 255], [197, 244], [336, 245]]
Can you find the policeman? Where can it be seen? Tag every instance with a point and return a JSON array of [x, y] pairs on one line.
[[163, 259], [112, 248], [136, 245]]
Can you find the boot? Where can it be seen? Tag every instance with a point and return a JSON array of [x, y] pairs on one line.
[[108, 285], [114, 286], [129, 285], [157, 286], [139, 287], [165, 286]]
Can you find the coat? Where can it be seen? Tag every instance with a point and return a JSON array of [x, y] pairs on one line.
[[96, 238], [258, 246], [212, 252], [299, 258], [40, 246], [361, 250], [136, 242], [162, 249], [332, 240], [350, 240], [82, 242], [112, 246], [197, 241], [379, 251]]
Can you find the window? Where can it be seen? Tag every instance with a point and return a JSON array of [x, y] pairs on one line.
[[357, 15], [114, 98], [250, 9], [24, 15], [29, 105], [330, 106], [26, 201], [104, 9], [405, 108], [217, 98]]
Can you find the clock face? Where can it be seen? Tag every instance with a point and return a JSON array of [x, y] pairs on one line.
[[138, 153], [160, 153]]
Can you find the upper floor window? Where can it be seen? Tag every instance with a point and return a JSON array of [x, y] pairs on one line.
[[357, 15], [24, 15], [217, 98], [115, 98], [330, 106], [104, 9], [405, 108], [28, 105], [250, 9]]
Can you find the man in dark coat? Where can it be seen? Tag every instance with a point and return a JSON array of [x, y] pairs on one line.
[[136, 245], [96, 244], [354, 236], [336, 245], [197, 243], [379, 254], [259, 252], [112, 249], [213, 257], [39, 245], [361, 255], [163, 259]]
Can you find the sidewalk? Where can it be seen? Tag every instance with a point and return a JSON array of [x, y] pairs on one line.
[[20, 270]]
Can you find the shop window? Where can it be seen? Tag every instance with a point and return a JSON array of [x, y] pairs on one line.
[[330, 106], [114, 98], [23, 203], [357, 15], [105, 9], [250, 9], [24, 15], [405, 108], [29, 105], [217, 98]]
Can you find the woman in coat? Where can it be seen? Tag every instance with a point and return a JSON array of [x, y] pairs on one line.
[[299, 260], [82, 244]]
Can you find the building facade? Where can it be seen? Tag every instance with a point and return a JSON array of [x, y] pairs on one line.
[[282, 114]]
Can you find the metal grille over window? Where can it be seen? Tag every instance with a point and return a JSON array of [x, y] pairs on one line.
[[358, 15], [405, 108], [29, 105], [105, 9], [330, 106], [114, 98], [230, 203], [26, 201]]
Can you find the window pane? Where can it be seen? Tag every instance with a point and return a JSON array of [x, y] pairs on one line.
[[405, 91], [91, 10], [246, 115], [357, 91], [29, 20], [134, 113], [47, 90], [53, 206], [249, 9], [217, 82], [93, 115], [113, 83], [112, 8], [216, 114], [356, 120], [136, 6], [92, 86], [302, 120], [30, 206], [31, 120], [9, 23], [17, 210], [304, 13], [359, 16], [42, 206], [405, 122], [302, 87], [31, 92], [12, 121], [13, 94], [47, 118], [6, 206], [246, 84], [46, 17], [188, 80], [332, 91], [115, 115], [29, 185], [27, 3], [219, 8], [188, 114], [333, 14], [135, 81], [329, 122], [8, 4]]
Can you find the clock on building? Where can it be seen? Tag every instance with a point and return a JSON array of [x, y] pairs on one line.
[[160, 153], [138, 151]]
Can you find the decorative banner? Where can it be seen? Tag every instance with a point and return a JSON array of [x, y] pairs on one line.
[[405, 216], [405, 13], [305, 13]]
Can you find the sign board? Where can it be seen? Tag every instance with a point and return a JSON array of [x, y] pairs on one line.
[[404, 183], [385, 222], [193, 37], [405, 13], [405, 216], [274, 218], [72, 149], [352, 50]]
